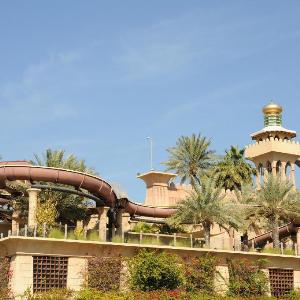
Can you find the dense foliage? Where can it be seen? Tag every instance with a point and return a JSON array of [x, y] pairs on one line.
[[190, 158], [151, 270], [200, 273], [246, 279], [178, 294], [67, 207], [206, 206], [233, 170], [274, 202], [104, 273]]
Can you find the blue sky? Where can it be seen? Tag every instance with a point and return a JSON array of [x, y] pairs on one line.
[[97, 77]]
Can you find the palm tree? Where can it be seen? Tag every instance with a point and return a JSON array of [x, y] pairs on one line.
[[58, 159], [69, 207], [190, 158], [275, 202], [233, 170], [206, 206]]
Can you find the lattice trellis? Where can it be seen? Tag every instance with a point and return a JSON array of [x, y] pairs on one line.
[[281, 281], [49, 272]]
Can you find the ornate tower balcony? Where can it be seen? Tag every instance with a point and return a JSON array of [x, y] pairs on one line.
[[275, 151]]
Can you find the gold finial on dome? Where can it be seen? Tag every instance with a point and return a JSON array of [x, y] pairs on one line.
[[272, 108]]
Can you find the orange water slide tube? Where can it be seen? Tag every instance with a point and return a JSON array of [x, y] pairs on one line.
[[22, 170]]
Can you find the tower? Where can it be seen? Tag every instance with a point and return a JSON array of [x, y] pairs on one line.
[[274, 152]]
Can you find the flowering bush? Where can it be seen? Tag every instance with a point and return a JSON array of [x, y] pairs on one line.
[[246, 279], [104, 273], [200, 273]]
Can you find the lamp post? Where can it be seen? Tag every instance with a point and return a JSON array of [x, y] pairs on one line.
[[151, 152]]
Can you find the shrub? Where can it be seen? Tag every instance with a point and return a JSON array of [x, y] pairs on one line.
[[278, 251], [104, 273], [171, 228], [117, 239], [246, 279], [144, 227], [56, 234], [200, 273], [55, 294], [151, 270], [93, 236]]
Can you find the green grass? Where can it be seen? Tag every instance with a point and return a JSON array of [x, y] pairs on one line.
[[56, 234], [278, 251], [93, 236]]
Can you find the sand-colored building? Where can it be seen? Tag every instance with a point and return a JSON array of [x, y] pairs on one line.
[[32, 259]]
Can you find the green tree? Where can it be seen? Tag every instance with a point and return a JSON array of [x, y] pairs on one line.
[[190, 158], [206, 206], [69, 207], [274, 202], [233, 170]]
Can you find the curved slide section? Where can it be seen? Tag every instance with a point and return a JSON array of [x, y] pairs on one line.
[[147, 211], [22, 170]]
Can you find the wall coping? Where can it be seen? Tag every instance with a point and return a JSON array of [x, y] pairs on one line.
[[28, 245]]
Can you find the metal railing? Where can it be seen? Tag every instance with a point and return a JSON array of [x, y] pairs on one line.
[[172, 240]]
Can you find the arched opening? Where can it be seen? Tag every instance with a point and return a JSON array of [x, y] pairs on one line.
[[261, 174], [277, 137], [278, 168], [269, 167], [288, 169]]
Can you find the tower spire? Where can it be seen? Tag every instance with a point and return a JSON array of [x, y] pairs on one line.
[[272, 112]]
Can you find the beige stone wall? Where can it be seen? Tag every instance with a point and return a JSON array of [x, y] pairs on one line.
[[22, 274], [77, 267], [21, 250]]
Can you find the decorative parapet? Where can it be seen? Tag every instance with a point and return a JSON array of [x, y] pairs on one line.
[[272, 145]]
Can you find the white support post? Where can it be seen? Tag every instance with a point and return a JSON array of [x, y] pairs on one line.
[[33, 204]]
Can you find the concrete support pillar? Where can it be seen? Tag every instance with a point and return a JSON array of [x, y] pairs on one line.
[[15, 222], [102, 213], [274, 168], [33, 203], [119, 230], [283, 175], [125, 222], [237, 240]]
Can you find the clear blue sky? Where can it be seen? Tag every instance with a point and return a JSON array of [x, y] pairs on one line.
[[97, 77]]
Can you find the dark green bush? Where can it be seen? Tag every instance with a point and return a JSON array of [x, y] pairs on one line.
[[200, 273], [151, 270], [104, 273], [246, 279]]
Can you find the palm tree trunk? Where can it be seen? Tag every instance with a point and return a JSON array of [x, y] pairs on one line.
[[275, 231], [206, 228]]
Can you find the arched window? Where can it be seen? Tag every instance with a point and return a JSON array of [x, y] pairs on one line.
[[288, 169], [261, 173], [269, 167], [278, 167]]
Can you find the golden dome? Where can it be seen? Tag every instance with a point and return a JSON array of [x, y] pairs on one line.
[[272, 108]]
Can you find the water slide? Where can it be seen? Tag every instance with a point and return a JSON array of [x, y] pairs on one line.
[[22, 170]]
